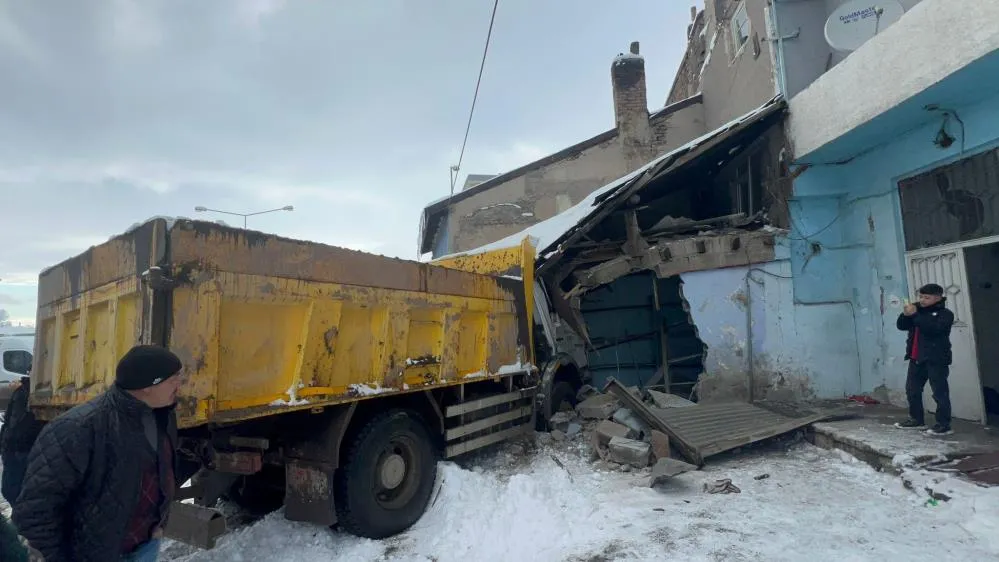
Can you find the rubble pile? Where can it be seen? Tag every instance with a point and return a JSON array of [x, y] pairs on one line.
[[616, 438]]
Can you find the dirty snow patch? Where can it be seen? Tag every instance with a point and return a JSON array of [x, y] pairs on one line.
[[517, 367], [282, 402], [815, 504], [169, 220], [368, 390]]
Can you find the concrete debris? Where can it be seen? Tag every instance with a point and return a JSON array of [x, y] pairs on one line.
[[607, 430], [660, 444], [573, 429], [664, 400], [665, 469], [597, 451], [763, 476], [629, 451], [585, 392], [626, 417], [634, 390], [599, 407], [558, 435], [561, 421], [723, 486]]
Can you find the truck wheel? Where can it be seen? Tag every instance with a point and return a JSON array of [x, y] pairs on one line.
[[562, 396], [385, 483]]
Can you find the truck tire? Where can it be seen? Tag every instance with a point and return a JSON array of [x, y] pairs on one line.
[[388, 474], [562, 395]]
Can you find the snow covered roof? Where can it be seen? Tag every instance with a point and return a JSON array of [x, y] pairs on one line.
[[548, 235]]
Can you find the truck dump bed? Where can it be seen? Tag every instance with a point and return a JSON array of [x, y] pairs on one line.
[[265, 324]]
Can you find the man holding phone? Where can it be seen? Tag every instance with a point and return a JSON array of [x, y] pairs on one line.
[[928, 351]]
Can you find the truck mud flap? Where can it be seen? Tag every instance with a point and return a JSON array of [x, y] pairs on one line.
[[485, 421], [309, 493], [195, 525]]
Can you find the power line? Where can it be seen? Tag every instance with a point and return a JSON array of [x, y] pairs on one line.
[[478, 82]]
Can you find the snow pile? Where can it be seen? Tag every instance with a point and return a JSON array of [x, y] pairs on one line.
[[811, 504]]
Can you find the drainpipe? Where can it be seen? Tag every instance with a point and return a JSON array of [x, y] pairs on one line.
[[750, 369], [780, 74]]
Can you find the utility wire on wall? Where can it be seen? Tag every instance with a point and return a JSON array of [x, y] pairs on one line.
[[457, 167]]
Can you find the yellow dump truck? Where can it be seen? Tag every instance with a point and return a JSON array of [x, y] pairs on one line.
[[322, 379]]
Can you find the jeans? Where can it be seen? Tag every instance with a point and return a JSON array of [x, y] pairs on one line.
[[14, 467], [147, 552], [919, 374]]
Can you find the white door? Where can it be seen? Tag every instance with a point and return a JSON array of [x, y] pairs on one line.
[[946, 268]]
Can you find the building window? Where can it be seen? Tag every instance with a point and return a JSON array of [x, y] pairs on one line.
[[740, 27], [17, 362], [953, 203], [747, 186]]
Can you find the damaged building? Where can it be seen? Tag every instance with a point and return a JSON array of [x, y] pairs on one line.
[[656, 270], [727, 71], [664, 277], [770, 258]]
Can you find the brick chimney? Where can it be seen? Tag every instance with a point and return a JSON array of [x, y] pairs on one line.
[[631, 107]]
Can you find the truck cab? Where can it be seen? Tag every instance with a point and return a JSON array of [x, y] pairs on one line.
[[15, 362]]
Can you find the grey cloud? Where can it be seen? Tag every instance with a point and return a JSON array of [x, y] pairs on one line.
[[352, 111]]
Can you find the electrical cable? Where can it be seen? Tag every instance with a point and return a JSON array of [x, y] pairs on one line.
[[475, 97]]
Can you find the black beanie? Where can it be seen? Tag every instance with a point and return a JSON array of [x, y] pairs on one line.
[[144, 366], [931, 289]]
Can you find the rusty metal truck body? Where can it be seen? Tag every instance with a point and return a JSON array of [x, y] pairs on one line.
[[322, 379]]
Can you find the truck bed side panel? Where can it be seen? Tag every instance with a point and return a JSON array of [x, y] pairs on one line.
[[266, 324], [91, 309]]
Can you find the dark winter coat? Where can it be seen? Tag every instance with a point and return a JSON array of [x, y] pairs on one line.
[[20, 428], [84, 476], [934, 323]]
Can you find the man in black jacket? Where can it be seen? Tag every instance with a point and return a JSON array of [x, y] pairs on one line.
[[101, 476], [20, 429], [928, 351]]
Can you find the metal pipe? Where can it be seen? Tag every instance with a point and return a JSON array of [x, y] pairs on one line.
[[750, 370]]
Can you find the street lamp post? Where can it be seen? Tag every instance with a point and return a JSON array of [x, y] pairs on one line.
[[200, 209]]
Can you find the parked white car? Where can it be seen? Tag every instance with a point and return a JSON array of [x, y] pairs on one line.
[[15, 362]]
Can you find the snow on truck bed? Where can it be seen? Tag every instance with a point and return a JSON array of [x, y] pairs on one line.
[[815, 504]]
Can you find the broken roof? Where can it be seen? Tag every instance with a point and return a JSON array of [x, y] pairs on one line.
[[550, 235], [436, 211]]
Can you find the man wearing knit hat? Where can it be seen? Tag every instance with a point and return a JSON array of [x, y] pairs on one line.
[[928, 351], [101, 476]]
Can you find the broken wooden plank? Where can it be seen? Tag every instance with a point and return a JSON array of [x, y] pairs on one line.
[[704, 430], [978, 462]]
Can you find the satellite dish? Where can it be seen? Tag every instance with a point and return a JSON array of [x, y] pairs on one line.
[[856, 21]]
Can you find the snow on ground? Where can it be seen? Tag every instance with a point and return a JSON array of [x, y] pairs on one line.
[[509, 506]]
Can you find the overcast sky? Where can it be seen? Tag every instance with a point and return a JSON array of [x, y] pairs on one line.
[[352, 111]]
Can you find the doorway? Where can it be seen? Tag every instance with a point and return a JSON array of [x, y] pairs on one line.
[[982, 263], [946, 267]]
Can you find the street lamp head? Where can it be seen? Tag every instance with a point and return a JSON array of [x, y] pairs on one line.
[[288, 208], [200, 209]]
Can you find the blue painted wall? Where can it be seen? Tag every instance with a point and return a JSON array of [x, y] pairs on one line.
[[793, 356], [846, 243]]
